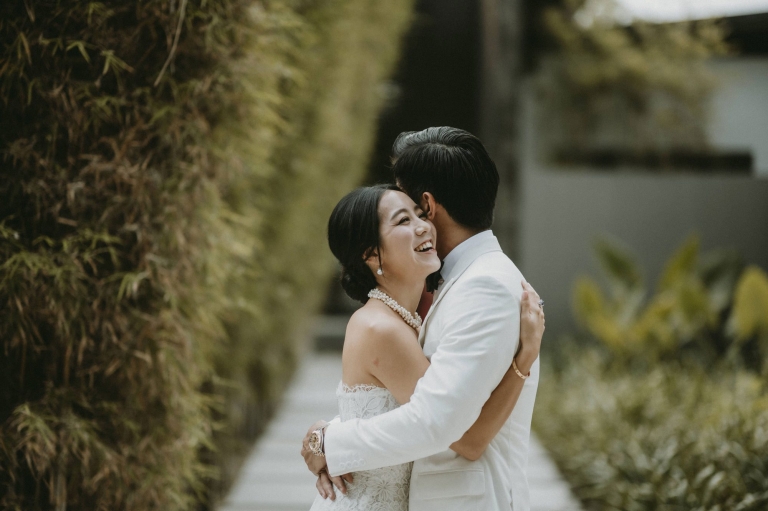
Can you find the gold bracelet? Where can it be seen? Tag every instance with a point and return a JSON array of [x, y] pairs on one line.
[[521, 375]]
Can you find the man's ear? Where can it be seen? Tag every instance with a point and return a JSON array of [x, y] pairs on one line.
[[428, 205]]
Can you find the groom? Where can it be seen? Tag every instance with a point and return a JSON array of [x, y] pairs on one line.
[[470, 335]]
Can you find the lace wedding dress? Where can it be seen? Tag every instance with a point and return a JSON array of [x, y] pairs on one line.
[[383, 489]]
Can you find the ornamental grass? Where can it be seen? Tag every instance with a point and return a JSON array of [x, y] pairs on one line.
[[166, 171]]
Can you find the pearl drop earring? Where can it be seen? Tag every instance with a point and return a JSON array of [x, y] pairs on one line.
[[379, 271]]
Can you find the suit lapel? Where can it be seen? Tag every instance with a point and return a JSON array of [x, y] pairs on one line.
[[489, 245]]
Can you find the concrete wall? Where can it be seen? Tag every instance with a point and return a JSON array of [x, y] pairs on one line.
[[563, 211], [738, 118]]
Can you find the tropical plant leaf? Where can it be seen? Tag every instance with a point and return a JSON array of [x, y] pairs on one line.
[[588, 300], [683, 319], [720, 270], [618, 264], [749, 317], [681, 265]]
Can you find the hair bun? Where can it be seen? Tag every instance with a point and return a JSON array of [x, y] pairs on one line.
[[357, 284]]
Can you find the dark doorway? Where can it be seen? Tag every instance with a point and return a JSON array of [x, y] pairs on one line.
[[437, 80]]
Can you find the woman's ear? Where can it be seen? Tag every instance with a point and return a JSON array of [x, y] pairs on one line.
[[372, 260], [428, 205], [371, 257]]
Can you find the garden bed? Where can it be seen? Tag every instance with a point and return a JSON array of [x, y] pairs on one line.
[[669, 438]]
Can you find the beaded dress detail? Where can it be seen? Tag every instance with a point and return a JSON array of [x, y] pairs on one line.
[[382, 489]]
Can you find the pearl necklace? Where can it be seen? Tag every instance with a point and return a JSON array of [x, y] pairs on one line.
[[413, 321]]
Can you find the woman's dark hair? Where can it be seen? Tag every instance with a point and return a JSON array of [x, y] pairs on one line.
[[452, 165], [353, 233]]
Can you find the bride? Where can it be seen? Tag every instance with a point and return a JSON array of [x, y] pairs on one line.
[[385, 245]]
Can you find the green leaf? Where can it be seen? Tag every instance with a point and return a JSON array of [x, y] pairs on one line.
[[750, 304], [129, 284], [81, 47], [114, 63], [618, 264], [719, 271], [681, 265], [587, 300], [23, 43]]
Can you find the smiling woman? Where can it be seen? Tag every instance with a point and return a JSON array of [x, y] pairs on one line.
[[365, 233], [407, 239]]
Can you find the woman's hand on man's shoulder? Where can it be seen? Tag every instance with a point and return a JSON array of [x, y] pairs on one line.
[[532, 325]]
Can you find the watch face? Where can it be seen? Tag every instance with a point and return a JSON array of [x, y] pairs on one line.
[[314, 441]]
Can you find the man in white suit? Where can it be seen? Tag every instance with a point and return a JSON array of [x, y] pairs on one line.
[[470, 335]]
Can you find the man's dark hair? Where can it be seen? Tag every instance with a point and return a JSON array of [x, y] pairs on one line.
[[454, 167]]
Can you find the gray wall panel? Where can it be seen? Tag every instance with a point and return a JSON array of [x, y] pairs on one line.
[[563, 212]]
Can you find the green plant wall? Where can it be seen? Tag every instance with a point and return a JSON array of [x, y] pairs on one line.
[[166, 172]]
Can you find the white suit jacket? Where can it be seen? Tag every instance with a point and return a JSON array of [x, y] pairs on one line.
[[470, 335]]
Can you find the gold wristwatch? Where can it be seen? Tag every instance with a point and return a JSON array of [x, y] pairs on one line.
[[316, 441]]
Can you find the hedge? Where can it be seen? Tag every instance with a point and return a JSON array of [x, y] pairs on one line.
[[672, 438], [167, 171]]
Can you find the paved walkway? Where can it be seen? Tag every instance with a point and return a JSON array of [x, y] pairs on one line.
[[274, 477]]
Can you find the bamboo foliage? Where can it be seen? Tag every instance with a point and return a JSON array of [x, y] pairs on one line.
[[166, 171]]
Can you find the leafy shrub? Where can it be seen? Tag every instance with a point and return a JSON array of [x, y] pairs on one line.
[[686, 427], [166, 171], [709, 308], [749, 320], [670, 438]]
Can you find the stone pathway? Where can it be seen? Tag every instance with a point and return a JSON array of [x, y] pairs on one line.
[[274, 477]]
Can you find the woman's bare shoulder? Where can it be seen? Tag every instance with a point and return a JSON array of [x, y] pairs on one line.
[[373, 326]]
